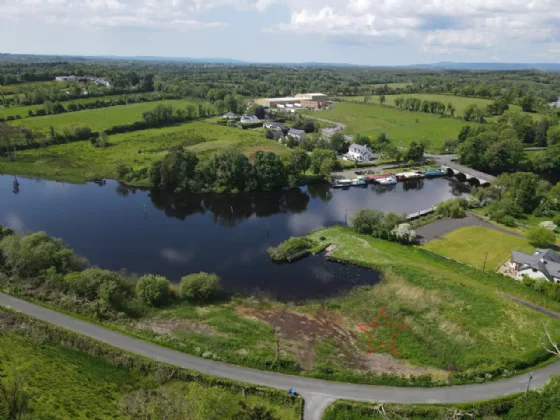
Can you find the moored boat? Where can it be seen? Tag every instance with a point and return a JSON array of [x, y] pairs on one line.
[[391, 180], [434, 172], [358, 182]]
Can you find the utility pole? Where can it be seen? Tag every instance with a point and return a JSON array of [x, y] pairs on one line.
[[277, 344], [528, 384], [485, 258], [346, 217]]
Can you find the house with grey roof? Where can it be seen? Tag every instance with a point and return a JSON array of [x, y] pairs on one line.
[[299, 135], [360, 153], [275, 126], [542, 264]]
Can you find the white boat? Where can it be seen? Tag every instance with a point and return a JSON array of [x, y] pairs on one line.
[[390, 180]]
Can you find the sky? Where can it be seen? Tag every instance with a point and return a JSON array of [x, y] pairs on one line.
[[368, 32]]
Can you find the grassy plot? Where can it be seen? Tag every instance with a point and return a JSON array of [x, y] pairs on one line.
[[470, 245], [403, 127], [29, 87], [456, 320], [64, 383], [96, 119], [80, 161]]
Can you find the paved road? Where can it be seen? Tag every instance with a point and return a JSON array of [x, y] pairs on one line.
[[442, 226], [317, 393]]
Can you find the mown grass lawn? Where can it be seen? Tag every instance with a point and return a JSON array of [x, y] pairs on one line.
[[69, 384], [470, 245], [80, 161], [96, 119], [402, 127]]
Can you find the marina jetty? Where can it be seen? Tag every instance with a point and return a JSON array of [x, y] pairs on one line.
[[389, 178]]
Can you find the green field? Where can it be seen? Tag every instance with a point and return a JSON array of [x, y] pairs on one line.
[[456, 320], [459, 102], [64, 383], [29, 87], [470, 245], [80, 161], [96, 119], [403, 127], [22, 111]]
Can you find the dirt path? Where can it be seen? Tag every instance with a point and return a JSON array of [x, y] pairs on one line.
[[531, 305]]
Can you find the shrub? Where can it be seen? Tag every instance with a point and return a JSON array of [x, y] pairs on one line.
[[556, 219], [541, 237], [153, 290], [199, 286], [403, 233], [95, 283], [454, 208], [548, 225], [30, 255], [289, 247]]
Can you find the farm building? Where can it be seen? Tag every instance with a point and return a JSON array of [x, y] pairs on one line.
[[303, 100]]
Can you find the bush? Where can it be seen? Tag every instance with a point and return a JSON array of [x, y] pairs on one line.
[[548, 225], [455, 208], [95, 283], [541, 237], [153, 290], [30, 255], [199, 286], [403, 233], [289, 247]]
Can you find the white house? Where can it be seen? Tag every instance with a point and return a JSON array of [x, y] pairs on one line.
[[249, 119], [229, 116], [299, 135], [360, 153], [542, 264]]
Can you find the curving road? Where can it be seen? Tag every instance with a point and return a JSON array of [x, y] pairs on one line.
[[317, 393]]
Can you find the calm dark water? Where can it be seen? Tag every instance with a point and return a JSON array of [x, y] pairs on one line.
[[152, 232]]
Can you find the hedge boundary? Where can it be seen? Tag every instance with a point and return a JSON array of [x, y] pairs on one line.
[[11, 320]]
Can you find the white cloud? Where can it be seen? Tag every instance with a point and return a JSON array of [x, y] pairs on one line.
[[438, 25], [13, 221], [176, 256], [177, 14]]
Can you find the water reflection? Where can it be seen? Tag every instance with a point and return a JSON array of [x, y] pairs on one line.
[[146, 231]]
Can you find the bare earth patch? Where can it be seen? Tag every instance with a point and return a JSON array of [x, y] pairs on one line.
[[302, 332], [170, 326]]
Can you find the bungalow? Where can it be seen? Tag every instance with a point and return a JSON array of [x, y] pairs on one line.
[[299, 135], [360, 153], [274, 126], [249, 119], [542, 264], [229, 116]]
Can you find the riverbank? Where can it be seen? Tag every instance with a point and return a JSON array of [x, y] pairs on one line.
[[456, 323]]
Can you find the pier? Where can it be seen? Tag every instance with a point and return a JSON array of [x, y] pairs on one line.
[[416, 215]]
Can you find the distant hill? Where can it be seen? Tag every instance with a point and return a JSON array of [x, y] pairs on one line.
[[489, 66]]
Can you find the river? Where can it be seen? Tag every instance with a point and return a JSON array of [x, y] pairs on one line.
[[143, 231]]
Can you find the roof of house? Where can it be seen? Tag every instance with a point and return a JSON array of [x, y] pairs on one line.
[[544, 260], [296, 132], [274, 124], [360, 148]]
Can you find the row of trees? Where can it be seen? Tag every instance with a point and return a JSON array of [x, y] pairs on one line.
[[389, 226], [419, 105], [230, 170], [45, 260]]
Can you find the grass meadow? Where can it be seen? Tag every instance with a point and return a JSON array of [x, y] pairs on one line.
[[96, 119], [458, 328], [456, 320], [22, 111], [403, 127], [80, 161], [470, 245], [69, 384]]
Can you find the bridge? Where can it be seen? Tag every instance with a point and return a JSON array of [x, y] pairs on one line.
[[462, 173]]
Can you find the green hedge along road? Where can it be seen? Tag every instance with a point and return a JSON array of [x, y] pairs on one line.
[[317, 393]]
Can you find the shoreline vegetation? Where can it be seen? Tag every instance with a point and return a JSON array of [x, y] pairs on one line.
[[467, 345]]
